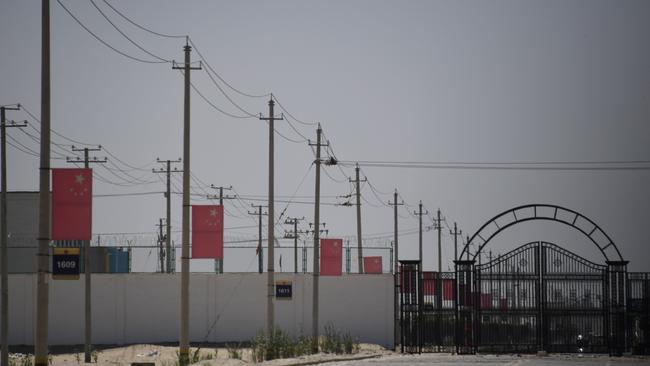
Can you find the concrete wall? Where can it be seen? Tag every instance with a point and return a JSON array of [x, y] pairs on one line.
[[145, 307], [22, 231]]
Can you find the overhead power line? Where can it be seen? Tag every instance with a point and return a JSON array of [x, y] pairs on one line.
[[104, 42], [222, 79], [125, 36], [140, 26], [558, 166]]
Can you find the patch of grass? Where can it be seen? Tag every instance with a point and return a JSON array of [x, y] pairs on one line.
[[336, 342], [27, 361], [198, 356], [278, 344], [304, 346], [95, 355], [234, 351]]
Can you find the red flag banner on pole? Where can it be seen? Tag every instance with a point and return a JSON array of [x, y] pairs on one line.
[[331, 253], [72, 193], [207, 231], [372, 265]]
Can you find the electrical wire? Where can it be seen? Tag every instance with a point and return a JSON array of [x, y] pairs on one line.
[[140, 26], [522, 166], [285, 137], [214, 106], [125, 36], [104, 42], [53, 131], [275, 98], [227, 96], [220, 78], [295, 191]]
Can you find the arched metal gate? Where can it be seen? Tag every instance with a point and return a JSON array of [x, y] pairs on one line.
[[538, 297]]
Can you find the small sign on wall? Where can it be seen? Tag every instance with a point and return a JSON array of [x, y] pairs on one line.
[[65, 264], [283, 290]]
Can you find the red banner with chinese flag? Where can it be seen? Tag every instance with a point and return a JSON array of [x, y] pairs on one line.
[[207, 231], [72, 193], [331, 253], [372, 265]]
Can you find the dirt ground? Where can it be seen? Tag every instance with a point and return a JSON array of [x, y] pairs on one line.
[[165, 355]]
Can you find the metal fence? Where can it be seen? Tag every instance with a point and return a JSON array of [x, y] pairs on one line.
[[536, 297]]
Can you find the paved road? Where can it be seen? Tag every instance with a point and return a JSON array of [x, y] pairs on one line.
[[554, 360]]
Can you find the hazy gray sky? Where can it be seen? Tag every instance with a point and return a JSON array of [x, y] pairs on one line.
[[479, 81]]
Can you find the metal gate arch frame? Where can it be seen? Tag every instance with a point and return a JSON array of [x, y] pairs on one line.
[[468, 302]]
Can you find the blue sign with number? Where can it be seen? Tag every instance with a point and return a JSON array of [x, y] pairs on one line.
[[283, 291], [65, 263]]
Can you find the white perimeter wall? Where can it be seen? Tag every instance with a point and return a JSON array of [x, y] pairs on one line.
[[145, 307]]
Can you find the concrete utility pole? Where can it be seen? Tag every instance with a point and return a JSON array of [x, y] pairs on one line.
[[314, 332], [260, 251], [357, 181], [270, 314], [293, 221], [3, 233], [42, 283], [420, 213], [439, 227], [218, 263], [161, 250], [395, 204], [88, 325], [455, 233], [184, 341], [168, 196]]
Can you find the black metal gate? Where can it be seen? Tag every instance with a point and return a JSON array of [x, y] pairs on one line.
[[428, 311], [536, 297], [541, 297]]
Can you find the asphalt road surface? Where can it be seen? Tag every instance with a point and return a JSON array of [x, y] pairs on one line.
[[528, 360]]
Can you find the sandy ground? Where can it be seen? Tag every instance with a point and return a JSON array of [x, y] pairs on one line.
[[165, 355]]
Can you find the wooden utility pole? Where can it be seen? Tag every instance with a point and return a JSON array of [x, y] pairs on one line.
[[420, 213], [168, 236], [88, 312], [218, 263], [260, 251], [316, 274], [42, 282], [270, 314], [357, 181], [4, 337], [293, 221], [184, 341]]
